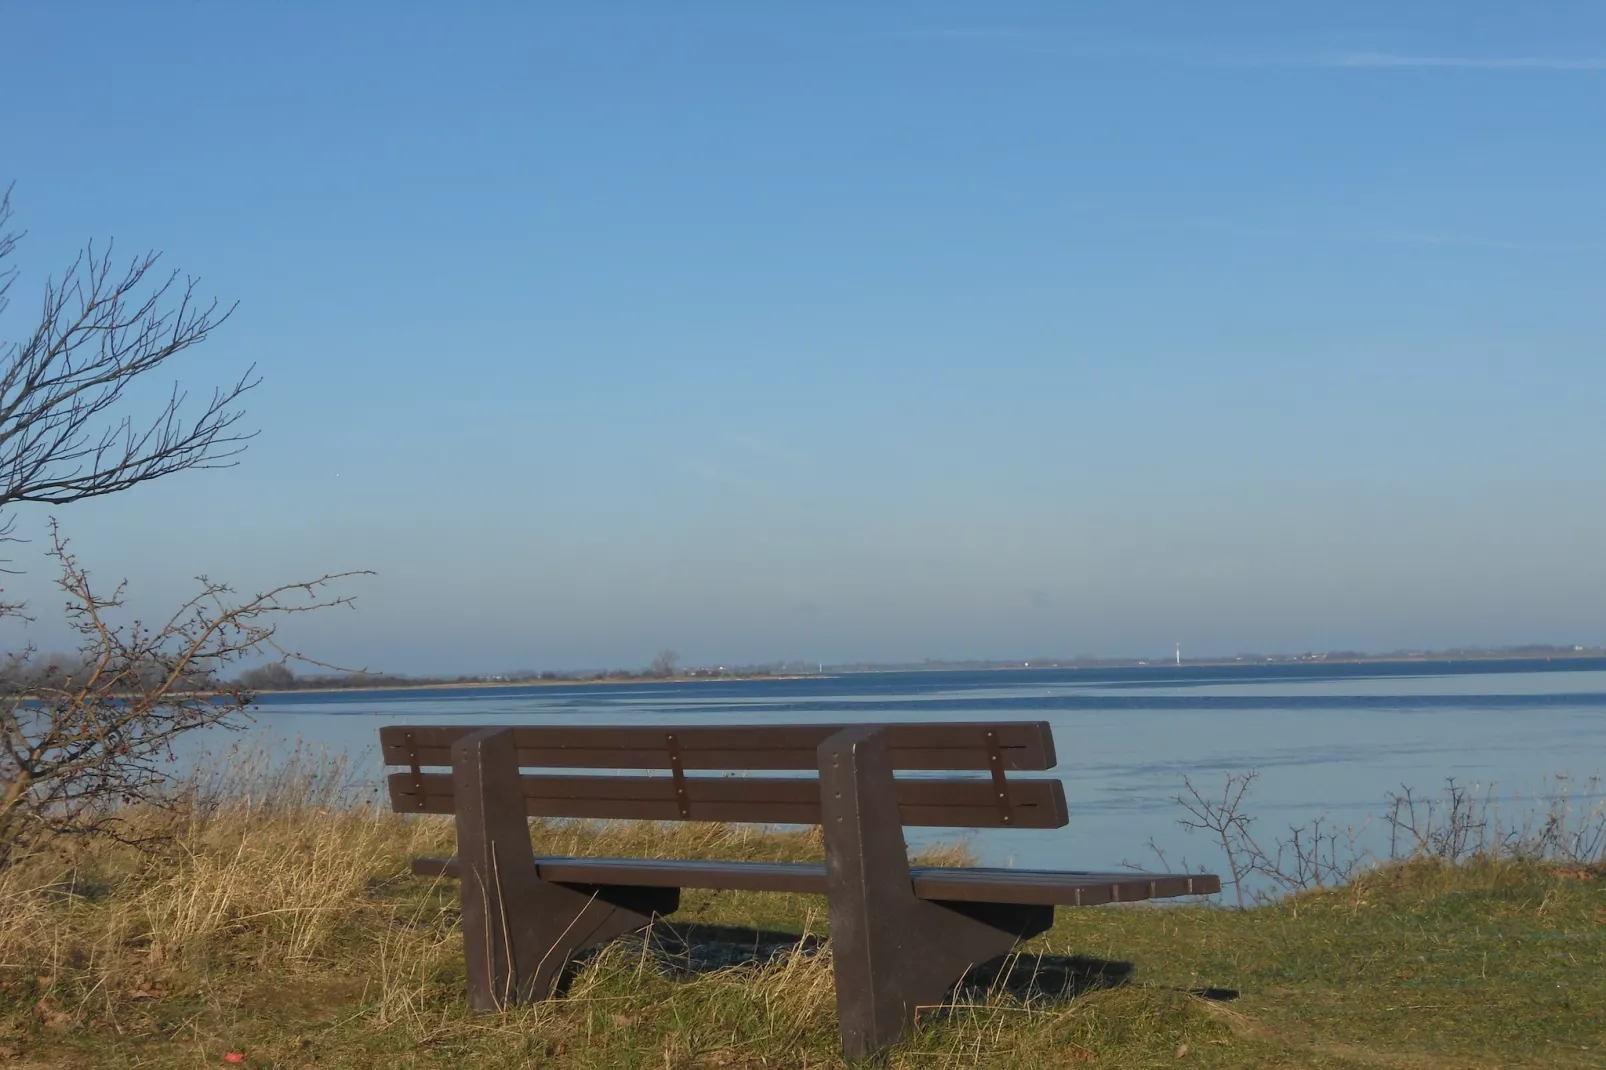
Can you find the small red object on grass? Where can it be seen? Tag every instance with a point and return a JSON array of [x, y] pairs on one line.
[[233, 1057]]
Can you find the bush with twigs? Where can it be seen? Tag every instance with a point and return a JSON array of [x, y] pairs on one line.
[[81, 742]]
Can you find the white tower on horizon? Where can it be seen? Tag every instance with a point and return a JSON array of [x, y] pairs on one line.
[[1179, 653]]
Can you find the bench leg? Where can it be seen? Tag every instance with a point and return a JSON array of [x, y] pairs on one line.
[[518, 930], [892, 951]]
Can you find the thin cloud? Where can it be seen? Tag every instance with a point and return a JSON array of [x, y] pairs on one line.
[[770, 451], [1009, 34], [1471, 63], [1048, 42], [1391, 237]]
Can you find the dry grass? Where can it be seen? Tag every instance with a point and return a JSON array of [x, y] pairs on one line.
[[283, 924]]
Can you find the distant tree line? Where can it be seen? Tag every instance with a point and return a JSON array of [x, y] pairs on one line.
[[277, 676], [665, 665], [24, 672]]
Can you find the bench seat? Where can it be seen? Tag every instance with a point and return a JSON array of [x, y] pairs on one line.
[[955, 884]]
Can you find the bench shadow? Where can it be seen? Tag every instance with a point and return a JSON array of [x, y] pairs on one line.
[[687, 949], [690, 949], [1040, 978], [684, 950]]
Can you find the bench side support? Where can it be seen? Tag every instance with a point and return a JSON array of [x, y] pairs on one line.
[[892, 951], [519, 931]]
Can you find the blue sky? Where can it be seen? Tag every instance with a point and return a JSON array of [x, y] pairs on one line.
[[856, 331]]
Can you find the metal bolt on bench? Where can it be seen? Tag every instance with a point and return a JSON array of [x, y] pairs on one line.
[[901, 935]]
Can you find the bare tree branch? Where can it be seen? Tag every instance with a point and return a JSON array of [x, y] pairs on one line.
[[64, 434], [1317, 855]]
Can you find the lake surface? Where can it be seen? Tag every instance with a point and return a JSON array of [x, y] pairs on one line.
[[1326, 739]]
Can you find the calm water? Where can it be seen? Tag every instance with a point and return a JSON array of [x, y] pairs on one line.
[[1326, 739]]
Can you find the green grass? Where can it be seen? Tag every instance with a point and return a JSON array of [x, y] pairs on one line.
[[293, 934]]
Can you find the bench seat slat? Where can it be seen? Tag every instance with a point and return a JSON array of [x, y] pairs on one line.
[[944, 883], [923, 801], [1024, 745]]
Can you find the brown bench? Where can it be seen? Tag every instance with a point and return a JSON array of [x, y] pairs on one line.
[[900, 935]]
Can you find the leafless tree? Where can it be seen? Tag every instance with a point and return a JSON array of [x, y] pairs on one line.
[[664, 664], [65, 430], [83, 737], [76, 751]]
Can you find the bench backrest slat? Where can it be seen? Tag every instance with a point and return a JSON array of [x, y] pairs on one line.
[[970, 802], [922, 801], [1023, 745]]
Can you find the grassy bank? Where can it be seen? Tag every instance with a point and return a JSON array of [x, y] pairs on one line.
[[288, 930]]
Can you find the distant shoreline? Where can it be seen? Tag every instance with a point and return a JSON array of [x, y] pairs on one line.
[[1213, 663], [612, 681]]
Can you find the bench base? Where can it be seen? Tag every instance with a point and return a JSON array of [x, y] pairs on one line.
[[908, 959], [954, 917]]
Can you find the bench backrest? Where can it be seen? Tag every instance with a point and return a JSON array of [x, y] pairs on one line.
[[957, 802]]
